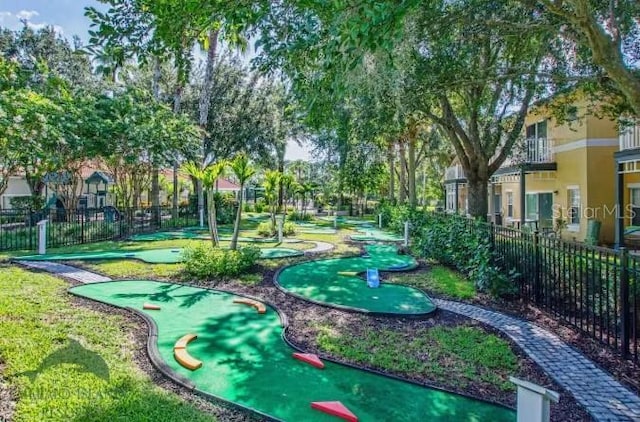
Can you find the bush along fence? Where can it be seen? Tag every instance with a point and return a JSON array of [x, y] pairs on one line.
[[19, 231], [591, 288]]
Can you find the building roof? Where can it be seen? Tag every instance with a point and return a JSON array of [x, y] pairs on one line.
[[99, 177], [224, 184]]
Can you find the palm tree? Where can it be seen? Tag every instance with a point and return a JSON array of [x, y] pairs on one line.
[[271, 186], [243, 172], [287, 181], [208, 176], [303, 189]]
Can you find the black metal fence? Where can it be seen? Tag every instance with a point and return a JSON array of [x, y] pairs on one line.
[[592, 288], [19, 230]]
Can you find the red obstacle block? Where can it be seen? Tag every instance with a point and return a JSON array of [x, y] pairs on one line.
[[309, 358], [334, 408]]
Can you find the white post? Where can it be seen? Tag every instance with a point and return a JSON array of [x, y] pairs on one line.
[[42, 237], [280, 224], [380, 220], [201, 217], [534, 401], [406, 233]]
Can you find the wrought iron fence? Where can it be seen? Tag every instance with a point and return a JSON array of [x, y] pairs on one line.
[[592, 288], [19, 231]]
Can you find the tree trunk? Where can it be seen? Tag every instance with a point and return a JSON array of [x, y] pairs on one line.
[[211, 215], [477, 194], [392, 175], [177, 104], [205, 101], [281, 187], [411, 171], [236, 226], [155, 172], [402, 198]]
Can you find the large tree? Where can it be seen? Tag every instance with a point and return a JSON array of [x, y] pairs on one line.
[[607, 33], [464, 65]]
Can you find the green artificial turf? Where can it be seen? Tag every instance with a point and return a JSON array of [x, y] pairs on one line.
[[69, 363], [178, 234], [246, 361], [320, 282], [152, 256], [374, 234], [191, 234]]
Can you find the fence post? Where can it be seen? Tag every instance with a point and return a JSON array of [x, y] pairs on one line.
[[537, 284], [30, 222], [492, 235], [81, 216], [625, 315]]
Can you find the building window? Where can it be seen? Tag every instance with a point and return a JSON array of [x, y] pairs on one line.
[[635, 206], [510, 204], [573, 206]]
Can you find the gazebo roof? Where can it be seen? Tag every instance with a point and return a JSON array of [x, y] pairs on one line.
[[98, 177]]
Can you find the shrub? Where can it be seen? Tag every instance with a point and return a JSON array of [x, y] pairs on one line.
[[454, 241], [298, 216], [466, 245], [205, 262], [259, 205], [265, 229], [247, 207]]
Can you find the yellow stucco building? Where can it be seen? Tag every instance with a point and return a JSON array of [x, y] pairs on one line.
[[559, 172]]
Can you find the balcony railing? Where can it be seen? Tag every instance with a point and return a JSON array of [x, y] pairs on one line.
[[630, 137], [532, 151], [454, 172], [539, 150]]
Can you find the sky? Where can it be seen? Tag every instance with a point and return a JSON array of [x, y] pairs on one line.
[[67, 17]]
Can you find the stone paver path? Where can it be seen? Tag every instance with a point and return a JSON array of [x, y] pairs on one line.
[[603, 397], [319, 248], [66, 271]]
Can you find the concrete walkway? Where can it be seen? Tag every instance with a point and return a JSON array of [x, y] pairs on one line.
[[603, 397], [65, 271], [319, 248]]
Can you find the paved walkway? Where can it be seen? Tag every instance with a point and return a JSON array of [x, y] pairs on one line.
[[66, 271], [603, 397], [319, 248]]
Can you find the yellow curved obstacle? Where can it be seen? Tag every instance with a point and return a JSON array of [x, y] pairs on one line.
[[259, 306], [181, 354]]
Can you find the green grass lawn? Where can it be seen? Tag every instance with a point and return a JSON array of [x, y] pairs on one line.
[[440, 280], [451, 356], [37, 319]]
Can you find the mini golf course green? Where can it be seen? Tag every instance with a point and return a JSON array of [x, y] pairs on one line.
[[374, 234], [320, 282], [152, 256], [246, 361], [191, 234], [347, 221]]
